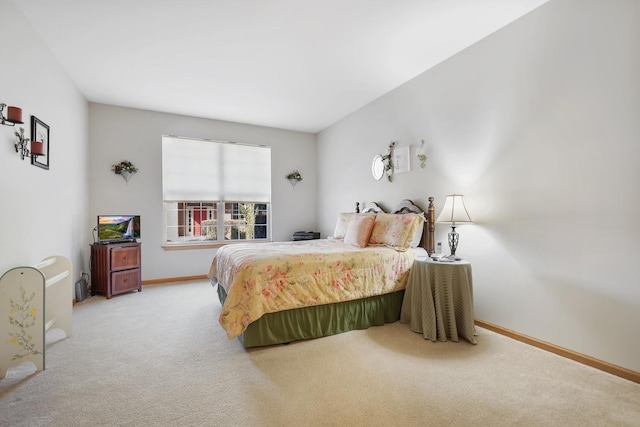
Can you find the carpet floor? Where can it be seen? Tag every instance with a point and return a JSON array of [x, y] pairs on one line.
[[160, 358]]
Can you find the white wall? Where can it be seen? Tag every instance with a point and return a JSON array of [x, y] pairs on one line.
[[42, 212], [537, 125], [118, 133]]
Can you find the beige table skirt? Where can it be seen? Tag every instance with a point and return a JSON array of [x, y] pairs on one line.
[[438, 301]]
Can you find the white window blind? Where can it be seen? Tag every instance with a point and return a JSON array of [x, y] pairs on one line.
[[203, 170], [249, 180]]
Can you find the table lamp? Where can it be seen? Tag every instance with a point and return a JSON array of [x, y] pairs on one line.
[[453, 212]]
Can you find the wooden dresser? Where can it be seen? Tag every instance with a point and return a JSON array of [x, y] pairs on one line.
[[115, 268]]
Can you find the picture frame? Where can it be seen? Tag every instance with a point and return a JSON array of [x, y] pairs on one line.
[[40, 135], [401, 160]]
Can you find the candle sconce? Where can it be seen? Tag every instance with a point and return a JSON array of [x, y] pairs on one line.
[[21, 144], [14, 115]]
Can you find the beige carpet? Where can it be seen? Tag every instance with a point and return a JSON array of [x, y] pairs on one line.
[[159, 358]]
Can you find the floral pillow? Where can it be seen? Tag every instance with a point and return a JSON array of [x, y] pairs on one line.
[[395, 230], [343, 222], [359, 230]]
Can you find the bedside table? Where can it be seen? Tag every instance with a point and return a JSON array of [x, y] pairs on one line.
[[438, 301]]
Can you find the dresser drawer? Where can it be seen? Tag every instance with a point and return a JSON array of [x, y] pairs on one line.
[[116, 268], [125, 281], [125, 257]]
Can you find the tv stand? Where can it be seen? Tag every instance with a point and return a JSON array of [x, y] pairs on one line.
[[115, 268]]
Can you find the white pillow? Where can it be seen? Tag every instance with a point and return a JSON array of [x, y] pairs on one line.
[[341, 225]]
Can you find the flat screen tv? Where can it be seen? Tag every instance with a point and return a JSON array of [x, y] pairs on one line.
[[118, 228]]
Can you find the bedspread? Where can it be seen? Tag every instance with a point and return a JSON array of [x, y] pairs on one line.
[[263, 278]]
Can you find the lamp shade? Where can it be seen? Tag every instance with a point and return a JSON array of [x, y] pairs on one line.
[[454, 210]]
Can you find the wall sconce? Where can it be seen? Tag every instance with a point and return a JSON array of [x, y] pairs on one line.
[[14, 115], [21, 144], [421, 156]]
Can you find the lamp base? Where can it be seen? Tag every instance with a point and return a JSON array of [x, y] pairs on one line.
[[453, 240], [454, 257]]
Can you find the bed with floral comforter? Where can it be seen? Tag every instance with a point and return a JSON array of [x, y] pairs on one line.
[[261, 278], [279, 292]]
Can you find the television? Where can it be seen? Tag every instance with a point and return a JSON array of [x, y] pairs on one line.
[[118, 228]]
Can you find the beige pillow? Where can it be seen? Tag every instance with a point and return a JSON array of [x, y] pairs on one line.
[[395, 230], [417, 236], [359, 230]]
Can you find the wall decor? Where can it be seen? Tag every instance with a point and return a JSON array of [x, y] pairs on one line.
[[125, 169], [401, 160], [382, 164], [21, 144], [294, 177], [14, 115], [377, 167], [422, 158], [40, 148]]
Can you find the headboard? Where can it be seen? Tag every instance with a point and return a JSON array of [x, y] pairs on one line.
[[372, 207]]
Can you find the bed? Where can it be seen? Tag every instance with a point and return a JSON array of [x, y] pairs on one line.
[[279, 292]]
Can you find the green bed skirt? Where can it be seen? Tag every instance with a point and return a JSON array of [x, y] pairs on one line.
[[320, 320]]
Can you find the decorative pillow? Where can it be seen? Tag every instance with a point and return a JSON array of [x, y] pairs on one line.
[[395, 230], [359, 230], [341, 225], [343, 222]]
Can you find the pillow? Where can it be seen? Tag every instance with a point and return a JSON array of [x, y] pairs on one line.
[[359, 230], [396, 230], [417, 237], [343, 222], [341, 225]]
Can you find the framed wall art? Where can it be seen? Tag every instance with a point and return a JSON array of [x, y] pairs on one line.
[[40, 147], [401, 160]]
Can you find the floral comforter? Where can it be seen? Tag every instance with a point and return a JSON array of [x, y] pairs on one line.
[[263, 278]]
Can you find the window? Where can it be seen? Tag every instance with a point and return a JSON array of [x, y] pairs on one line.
[[215, 191]]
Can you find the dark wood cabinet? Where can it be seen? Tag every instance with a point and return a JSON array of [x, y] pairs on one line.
[[115, 268]]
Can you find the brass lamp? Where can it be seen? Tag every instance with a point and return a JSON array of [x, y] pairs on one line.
[[454, 212]]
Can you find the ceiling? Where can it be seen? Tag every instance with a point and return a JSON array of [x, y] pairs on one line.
[[291, 64]]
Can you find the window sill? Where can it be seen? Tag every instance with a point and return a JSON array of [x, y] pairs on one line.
[[189, 246]]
